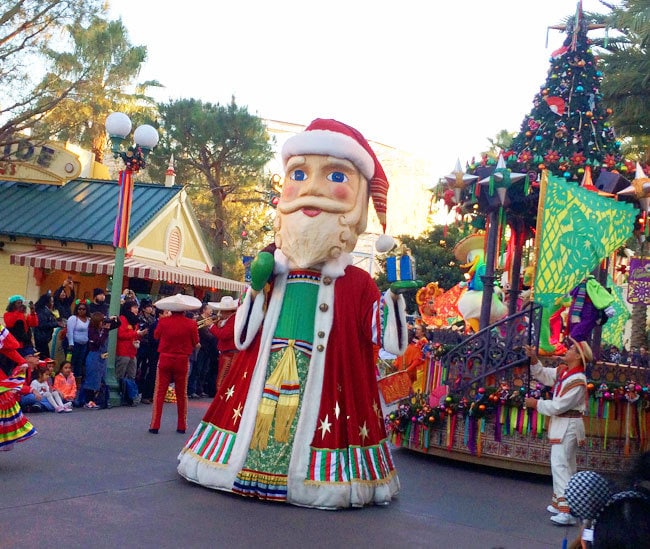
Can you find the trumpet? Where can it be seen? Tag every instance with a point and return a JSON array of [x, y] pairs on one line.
[[208, 321]]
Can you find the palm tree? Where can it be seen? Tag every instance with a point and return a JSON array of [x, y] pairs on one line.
[[626, 82]]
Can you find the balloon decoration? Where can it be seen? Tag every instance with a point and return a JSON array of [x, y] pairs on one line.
[[425, 299]]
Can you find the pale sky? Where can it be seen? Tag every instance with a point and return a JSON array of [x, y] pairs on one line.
[[431, 78]]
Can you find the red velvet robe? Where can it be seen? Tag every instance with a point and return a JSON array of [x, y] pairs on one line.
[[340, 457]]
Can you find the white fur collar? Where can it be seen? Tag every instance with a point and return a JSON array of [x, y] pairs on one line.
[[333, 268]]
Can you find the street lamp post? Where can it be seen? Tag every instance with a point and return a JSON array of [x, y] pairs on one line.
[[118, 126]]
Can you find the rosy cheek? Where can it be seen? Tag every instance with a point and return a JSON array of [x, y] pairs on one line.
[[290, 192], [341, 193]]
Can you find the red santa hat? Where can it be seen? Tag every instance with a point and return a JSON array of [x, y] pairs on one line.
[[333, 138]]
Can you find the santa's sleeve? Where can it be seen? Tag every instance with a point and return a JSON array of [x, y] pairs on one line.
[[248, 319], [392, 315]]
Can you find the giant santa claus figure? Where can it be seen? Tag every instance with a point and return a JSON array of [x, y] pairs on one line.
[[298, 417]]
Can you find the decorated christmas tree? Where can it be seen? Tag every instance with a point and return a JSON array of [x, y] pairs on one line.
[[568, 129]]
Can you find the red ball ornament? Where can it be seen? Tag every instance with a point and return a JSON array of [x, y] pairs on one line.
[[609, 111], [481, 390], [481, 407]]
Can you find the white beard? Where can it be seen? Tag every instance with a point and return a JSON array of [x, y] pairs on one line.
[[311, 241]]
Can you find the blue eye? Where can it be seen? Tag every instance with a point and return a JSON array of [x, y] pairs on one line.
[[298, 175], [338, 177]]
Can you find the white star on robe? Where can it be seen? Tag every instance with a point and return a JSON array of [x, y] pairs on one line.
[[230, 392], [363, 431], [236, 413], [376, 409], [325, 426]]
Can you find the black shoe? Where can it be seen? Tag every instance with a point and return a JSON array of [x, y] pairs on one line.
[[153, 431], [181, 431], [193, 396], [34, 409]]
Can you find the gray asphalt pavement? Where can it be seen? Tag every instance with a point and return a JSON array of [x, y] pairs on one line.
[[98, 479]]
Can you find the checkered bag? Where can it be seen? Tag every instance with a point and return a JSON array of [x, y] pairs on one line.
[[587, 493]]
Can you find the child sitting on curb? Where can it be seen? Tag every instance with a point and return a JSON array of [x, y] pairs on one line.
[[50, 400]]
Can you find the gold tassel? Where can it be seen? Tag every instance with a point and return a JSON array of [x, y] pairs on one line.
[[262, 428], [289, 394], [285, 374]]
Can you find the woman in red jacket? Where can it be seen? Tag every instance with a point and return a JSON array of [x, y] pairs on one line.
[[177, 337], [19, 323], [128, 341]]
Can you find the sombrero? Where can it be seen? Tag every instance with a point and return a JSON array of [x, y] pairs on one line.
[[227, 303], [178, 302], [472, 242], [584, 350]]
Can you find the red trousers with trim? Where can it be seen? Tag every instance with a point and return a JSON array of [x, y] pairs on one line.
[[171, 368]]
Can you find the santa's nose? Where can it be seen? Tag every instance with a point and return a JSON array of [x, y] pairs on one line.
[[313, 186]]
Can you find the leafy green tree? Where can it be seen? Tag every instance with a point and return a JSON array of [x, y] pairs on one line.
[[26, 27], [105, 64], [221, 151]]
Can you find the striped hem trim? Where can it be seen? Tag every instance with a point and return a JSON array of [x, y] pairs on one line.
[[266, 486], [211, 444], [356, 463]]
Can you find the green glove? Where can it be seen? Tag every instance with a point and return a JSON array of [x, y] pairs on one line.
[[261, 270], [68, 357], [403, 286]]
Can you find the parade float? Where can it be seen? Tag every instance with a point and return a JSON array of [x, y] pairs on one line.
[[557, 210]]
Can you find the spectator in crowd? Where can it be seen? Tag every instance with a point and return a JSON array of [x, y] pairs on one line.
[[98, 304], [128, 341], [20, 323], [224, 331], [206, 355], [177, 337], [77, 335], [65, 383], [50, 400], [64, 298], [624, 523], [98, 330], [147, 354], [47, 321]]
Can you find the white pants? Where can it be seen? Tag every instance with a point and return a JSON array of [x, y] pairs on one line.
[[563, 463]]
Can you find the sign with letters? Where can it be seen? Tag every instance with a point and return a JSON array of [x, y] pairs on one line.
[[37, 162]]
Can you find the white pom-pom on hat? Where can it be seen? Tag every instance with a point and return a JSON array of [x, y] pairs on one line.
[[385, 243]]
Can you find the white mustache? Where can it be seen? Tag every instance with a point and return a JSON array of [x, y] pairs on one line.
[[317, 203]]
